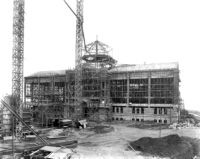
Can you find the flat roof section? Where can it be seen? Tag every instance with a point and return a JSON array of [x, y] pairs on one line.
[[145, 67], [49, 73], [119, 68]]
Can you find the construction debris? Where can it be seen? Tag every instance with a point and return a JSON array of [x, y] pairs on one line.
[[51, 152]]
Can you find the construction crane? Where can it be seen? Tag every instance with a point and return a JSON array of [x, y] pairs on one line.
[[78, 57], [18, 55]]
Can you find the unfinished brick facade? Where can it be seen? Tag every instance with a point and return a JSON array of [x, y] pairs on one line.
[[148, 92]]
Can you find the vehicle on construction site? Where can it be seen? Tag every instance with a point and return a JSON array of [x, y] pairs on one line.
[[65, 123], [51, 152], [81, 124], [28, 135]]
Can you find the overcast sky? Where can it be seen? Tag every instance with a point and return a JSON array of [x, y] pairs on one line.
[[138, 31]]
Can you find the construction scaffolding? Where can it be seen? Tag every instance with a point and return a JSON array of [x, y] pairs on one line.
[[145, 92], [45, 96], [149, 91], [96, 84], [95, 91], [51, 95]]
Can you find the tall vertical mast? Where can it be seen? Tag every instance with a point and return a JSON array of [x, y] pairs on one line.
[[78, 58], [18, 53]]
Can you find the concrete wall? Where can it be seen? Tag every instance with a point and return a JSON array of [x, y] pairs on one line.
[[148, 115]]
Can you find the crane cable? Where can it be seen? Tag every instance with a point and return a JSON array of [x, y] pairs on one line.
[[81, 22]]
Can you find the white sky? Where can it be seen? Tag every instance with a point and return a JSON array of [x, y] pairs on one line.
[[150, 31]]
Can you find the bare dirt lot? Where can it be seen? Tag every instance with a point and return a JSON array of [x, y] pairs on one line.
[[111, 140], [114, 144]]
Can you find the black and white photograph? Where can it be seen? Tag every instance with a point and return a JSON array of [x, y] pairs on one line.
[[99, 79]]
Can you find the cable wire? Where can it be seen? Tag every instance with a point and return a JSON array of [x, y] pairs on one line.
[[81, 22]]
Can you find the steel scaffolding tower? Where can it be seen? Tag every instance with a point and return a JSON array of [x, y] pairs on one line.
[[80, 39], [18, 53], [78, 58]]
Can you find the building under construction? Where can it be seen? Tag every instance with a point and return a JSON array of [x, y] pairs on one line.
[[147, 92]]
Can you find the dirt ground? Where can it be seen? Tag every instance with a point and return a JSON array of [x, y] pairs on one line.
[[113, 142]]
